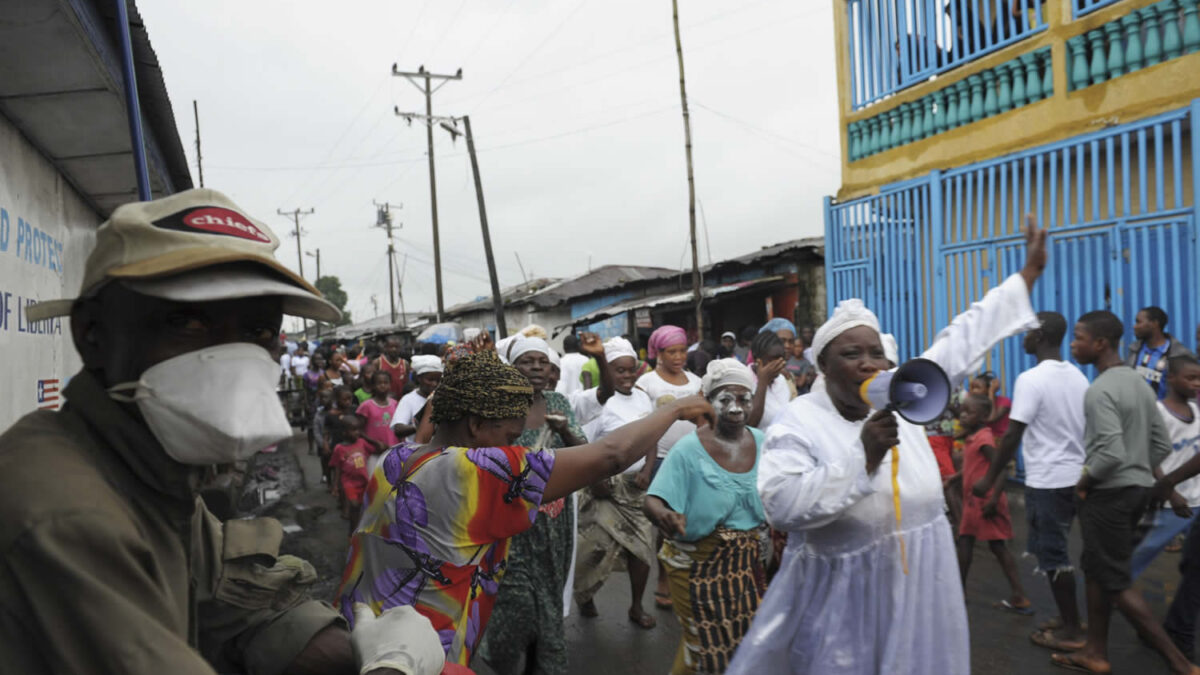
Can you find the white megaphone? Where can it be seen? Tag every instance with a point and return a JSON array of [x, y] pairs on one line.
[[917, 391]]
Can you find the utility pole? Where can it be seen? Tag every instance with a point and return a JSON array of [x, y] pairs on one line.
[[400, 288], [428, 90], [295, 214], [687, 137], [383, 218], [450, 124], [497, 299], [199, 157], [318, 257]]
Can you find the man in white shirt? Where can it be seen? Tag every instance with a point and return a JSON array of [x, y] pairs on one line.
[[300, 360], [1047, 415], [570, 367], [1182, 418]]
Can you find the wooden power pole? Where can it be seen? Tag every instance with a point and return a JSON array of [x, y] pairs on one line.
[[295, 214], [450, 124], [428, 90], [497, 299], [199, 157], [687, 139]]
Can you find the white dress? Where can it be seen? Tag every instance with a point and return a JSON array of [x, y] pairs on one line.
[[841, 603]]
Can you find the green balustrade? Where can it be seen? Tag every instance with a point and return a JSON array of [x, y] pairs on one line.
[[1132, 23], [1160, 32], [1191, 27], [1116, 52], [964, 102], [951, 107], [990, 106], [1003, 88], [1098, 72], [1168, 17], [1079, 65], [1153, 49], [1017, 72], [939, 114], [1047, 72], [1007, 86]]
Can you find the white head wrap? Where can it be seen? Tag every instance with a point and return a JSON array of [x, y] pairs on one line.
[[471, 333], [615, 348], [891, 350], [722, 372], [426, 363], [503, 345], [849, 314], [524, 345], [555, 359]]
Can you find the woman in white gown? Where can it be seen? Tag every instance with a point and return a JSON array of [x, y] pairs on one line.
[[842, 602]]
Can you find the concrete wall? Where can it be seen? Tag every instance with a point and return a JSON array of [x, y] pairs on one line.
[[46, 233]]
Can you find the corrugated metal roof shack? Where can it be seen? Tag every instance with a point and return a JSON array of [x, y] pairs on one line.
[[65, 163], [784, 280]]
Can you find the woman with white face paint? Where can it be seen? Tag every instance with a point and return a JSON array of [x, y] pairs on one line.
[[705, 500]]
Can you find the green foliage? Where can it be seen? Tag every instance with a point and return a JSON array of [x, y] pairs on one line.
[[331, 288]]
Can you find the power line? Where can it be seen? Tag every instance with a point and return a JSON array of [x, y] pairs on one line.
[[297, 189], [767, 132], [530, 55]]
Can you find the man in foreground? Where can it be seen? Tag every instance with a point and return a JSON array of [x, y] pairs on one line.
[[111, 563]]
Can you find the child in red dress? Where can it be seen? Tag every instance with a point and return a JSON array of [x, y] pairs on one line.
[[985, 518], [349, 464]]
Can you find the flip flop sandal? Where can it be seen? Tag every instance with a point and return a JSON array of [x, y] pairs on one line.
[[1045, 638], [1068, 661], [1007, 606], [663, 600]]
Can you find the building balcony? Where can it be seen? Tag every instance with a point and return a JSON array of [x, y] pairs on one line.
[[968, 80]]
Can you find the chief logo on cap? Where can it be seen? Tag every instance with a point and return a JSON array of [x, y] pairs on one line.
[[193, 246], [216, 220]]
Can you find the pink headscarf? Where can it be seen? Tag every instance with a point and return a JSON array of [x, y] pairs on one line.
[[663, 337]]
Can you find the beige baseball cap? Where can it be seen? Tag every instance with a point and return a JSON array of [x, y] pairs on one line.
[[191, 246]]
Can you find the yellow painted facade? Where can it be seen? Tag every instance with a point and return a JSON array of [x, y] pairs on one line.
[[1149, 91]]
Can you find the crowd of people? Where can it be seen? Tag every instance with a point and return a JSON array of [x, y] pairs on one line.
[[490, 488]]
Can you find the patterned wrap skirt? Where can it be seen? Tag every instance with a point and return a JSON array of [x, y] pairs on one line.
[[716, 586]]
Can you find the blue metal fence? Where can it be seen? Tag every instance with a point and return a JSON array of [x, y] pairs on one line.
[[1122, 212], [895, 44]]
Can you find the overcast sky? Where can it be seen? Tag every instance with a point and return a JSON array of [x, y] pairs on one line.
[[574, 106]]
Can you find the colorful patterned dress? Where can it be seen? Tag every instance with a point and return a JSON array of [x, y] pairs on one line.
[[529, 609], [435, 535]]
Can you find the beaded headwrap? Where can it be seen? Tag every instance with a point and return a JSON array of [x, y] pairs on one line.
[[480, 384]]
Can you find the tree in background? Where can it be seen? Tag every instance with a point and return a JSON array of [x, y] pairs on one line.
[[331, 288]]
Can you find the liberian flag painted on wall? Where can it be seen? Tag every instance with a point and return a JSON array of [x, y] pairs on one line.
[[47, 395]]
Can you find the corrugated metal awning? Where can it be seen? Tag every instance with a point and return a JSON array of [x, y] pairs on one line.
[[682, 298], [61, 86]]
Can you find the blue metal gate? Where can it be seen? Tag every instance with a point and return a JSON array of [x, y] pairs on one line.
[[1120, 204]]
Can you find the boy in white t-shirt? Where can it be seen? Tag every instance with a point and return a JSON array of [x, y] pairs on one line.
[[1182, 417], [427, 372], [1047, 418]]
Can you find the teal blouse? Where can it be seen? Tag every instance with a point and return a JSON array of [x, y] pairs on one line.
[[692, 483]]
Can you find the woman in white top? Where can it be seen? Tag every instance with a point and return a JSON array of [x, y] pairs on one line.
[[612, 526], [857, 594], [772, 394], [668, 381]]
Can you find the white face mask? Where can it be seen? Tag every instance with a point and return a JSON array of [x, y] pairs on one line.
[[213, 405]]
